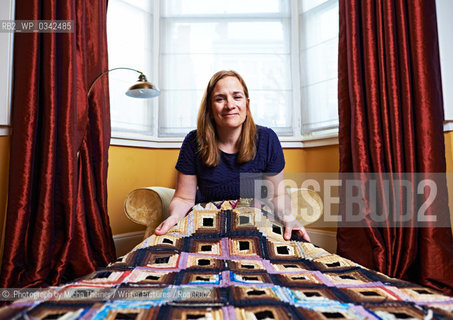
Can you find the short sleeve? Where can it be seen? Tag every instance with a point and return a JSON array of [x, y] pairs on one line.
[[187, 155], [276, 159]]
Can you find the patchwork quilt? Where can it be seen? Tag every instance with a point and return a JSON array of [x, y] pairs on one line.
[[228, 260]]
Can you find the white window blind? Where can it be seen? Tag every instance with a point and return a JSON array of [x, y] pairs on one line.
[[319, 64], [201, 37], [130, 45]]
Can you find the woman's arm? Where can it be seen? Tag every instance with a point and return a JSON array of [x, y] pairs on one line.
[[182, 201], [282, 207]]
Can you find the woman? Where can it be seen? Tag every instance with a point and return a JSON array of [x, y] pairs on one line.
[[226, 144]]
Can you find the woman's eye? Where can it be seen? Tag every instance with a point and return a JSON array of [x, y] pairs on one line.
[[238, 97]]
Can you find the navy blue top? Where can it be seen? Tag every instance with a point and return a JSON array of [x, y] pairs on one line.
[[225, 181]]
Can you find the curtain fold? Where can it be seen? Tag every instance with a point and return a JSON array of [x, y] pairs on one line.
[[391, 121], [57, 226]]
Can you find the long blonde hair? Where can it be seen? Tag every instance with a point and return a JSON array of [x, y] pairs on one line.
[[206, 127]]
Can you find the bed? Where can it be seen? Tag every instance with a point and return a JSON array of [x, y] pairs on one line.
[[228, 260]]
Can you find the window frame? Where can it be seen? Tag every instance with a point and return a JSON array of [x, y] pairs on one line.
[[7, 9], [444, 10]]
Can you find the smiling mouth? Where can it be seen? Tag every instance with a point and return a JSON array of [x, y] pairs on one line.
[[230, 114]]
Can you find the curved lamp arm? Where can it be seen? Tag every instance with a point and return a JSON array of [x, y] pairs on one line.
[[142, 89]]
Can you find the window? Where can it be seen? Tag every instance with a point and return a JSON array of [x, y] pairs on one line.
[[286, 50], [445, 22], [130, 42], [319, 64]]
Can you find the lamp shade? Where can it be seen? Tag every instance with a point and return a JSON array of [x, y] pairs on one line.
[[143, 89]]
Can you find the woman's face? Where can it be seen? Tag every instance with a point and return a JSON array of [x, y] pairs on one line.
[[229, 103]]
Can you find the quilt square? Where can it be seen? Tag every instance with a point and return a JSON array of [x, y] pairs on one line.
[[204, 262], [290, 266], [246, 219], [329, 312], [143, 276], [166, 241], [250, 278], [201, 278], [313, 295], [245, 265], [282, 250], [396, 311], [245, 246], [125, 312], [273, 230], [175, 312], [423, 294], [207, 222], [347, 278], [369, 294], [212, 247], [241, 293], [332, 262], [161, 260], [262, 313], [304, 279]]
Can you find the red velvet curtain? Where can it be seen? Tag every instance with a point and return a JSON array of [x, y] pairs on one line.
[[391, 120], [57, 225]]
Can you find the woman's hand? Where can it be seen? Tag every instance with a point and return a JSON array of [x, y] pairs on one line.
[[282, 207], [167, 224], [297, 226], [183, 200]]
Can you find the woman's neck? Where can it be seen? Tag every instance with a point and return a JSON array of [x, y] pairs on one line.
[[228, 138]]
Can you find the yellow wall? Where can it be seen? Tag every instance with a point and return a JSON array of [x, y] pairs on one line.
[[449, 151], [449, 157], [131, 168], [319, 159], [314, 160]]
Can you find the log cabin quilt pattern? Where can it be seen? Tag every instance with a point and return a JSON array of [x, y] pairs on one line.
[[228, 260]]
